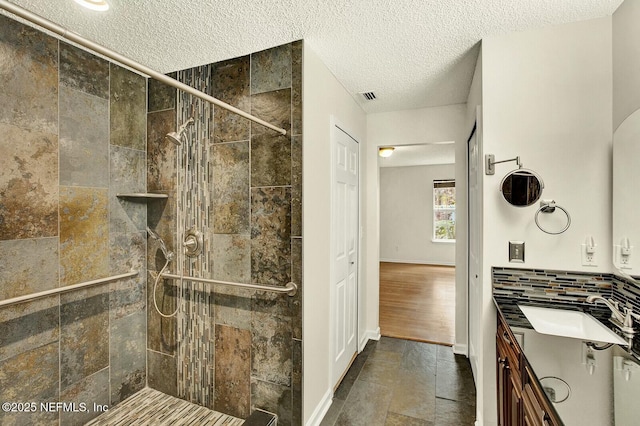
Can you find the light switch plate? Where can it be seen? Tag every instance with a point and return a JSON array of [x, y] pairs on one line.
[[516, 251]]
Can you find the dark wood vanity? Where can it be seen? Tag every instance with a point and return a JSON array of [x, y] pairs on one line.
[[521, 400]]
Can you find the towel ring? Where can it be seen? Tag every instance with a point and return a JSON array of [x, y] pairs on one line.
[[550, 207], [551, 385]]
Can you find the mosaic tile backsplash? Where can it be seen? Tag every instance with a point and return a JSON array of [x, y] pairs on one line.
[[548, 286], [230, 349], [73, 133]]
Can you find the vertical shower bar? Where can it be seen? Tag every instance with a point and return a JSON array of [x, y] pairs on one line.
[[63, 32]]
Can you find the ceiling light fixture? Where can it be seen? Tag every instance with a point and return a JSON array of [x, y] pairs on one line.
[[385, 151], [99, 5]]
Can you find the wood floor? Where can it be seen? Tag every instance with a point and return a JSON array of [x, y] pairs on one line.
[[417, 302]]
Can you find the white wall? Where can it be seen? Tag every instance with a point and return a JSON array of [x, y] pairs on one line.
[[407, 127], [547, 98], [626, 61], [626, 125], [406, 215], [323, 97]]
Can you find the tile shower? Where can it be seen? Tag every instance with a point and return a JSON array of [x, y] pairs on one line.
[[76, 131], [239, 184]]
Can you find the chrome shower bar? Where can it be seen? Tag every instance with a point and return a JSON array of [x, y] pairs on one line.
[[63, 32], [65, 289], [291, 288]]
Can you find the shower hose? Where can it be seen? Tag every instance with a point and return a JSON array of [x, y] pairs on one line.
[[155, 286]]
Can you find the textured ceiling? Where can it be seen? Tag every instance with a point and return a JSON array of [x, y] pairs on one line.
[[411, 53]]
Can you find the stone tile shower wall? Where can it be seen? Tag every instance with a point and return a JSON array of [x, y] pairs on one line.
[[161, 215], [230, 349], [73, 135]]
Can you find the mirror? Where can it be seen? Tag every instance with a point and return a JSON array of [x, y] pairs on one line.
[[626, 202], [521, 187]]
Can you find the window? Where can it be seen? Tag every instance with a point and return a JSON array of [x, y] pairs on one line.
[[444, 210]]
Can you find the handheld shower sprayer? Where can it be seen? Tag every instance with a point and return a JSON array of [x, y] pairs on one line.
[[176, 137], [168, 254]]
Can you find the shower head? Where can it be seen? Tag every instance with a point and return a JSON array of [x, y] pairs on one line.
[[176, 137], [168, 254]]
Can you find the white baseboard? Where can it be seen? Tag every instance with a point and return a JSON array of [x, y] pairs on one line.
[[321, 409], [373, 334], [460, 349], [419, 262], [368, 335]]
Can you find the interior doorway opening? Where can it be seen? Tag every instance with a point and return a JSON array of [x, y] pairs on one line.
[[417, 243]]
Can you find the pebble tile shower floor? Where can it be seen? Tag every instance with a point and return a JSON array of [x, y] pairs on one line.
[[151, 407], [400, 382]]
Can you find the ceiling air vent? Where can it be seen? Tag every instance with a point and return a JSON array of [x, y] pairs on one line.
[[370, 96]]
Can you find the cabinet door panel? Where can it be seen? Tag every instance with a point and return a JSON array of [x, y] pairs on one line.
[[515, 405]]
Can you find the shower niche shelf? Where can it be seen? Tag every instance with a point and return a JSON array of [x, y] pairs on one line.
[[142, 196]]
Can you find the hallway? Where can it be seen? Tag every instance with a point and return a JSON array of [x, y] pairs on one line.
[[399, 382], [417, 302]]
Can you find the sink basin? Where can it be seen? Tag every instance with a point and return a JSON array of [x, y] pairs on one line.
[[561, 322]]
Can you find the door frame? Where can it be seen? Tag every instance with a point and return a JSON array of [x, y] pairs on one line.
[[335, 126], [475, 359], [457, 306]]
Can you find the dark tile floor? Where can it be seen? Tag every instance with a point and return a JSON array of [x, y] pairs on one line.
[[400, 382]]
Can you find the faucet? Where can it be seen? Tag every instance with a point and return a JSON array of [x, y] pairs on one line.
[[623, 321]]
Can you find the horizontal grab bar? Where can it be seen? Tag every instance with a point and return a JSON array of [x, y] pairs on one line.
[[65, 289], [291, 288]]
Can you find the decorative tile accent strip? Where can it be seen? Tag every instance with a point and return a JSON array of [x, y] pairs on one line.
[[196, 335], [549, 285], [627, 292], [150, 407], [196, 345]]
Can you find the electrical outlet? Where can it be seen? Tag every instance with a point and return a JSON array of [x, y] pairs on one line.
[[588, 358], [588, 253], [622, 253], [623, 257]]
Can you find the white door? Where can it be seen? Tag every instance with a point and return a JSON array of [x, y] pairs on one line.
[[344, 288], [475, 280]]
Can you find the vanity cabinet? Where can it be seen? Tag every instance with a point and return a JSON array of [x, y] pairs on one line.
[[509, 378], [536, 409], [521, 400]]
